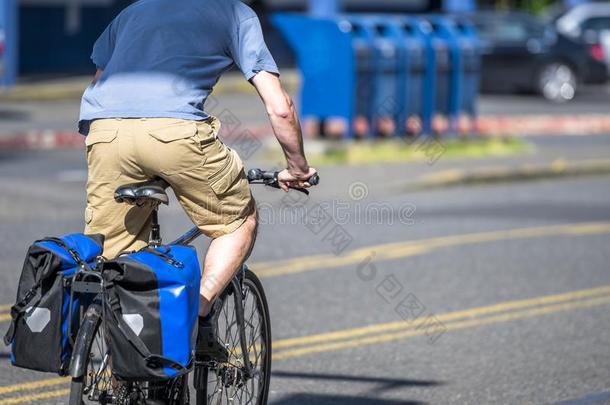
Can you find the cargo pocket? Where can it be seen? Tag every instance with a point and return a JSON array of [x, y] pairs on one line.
[[226, 176], [102, 155], [179, 147], [100, 136], [231, 186]]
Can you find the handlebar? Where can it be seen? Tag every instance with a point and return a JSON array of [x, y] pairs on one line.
[[270, 178]]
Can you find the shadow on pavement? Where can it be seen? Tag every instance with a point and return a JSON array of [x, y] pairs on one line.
[[383, 385], [387, 383], [536, 211], [322, 399]]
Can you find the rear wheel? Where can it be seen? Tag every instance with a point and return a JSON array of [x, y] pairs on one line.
[[227, 383], [91, 355], [96, 385]]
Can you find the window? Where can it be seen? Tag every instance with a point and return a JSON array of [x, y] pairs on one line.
[[592, 28]]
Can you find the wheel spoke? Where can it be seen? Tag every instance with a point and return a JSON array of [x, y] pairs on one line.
[[229, 384]]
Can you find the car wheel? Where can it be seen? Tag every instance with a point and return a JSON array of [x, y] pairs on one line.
[[557, 82]]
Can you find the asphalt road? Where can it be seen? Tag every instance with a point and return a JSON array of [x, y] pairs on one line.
[[495, 294]]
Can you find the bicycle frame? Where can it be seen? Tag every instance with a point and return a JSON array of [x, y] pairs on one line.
[[188, 237]]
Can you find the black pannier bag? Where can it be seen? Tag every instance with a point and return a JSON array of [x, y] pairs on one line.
[[152, 302], [39, 334]]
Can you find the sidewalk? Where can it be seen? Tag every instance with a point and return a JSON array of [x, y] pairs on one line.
[[552, 157]]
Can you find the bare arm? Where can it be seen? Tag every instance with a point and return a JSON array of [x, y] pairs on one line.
[[285, 122], [97, 76]]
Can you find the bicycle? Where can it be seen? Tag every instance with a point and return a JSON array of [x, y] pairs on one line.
[[243, 326]]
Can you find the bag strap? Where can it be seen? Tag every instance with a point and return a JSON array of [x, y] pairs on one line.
[[75, 255], [152, 360], [34, 294], [165, 256]]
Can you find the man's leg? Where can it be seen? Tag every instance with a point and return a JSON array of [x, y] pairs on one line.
[[225, 256], [209, 180], [108, 152]]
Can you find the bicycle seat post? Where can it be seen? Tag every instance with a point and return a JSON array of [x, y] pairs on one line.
[[155, 232], [146, 194]]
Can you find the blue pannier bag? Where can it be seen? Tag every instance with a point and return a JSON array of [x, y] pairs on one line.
[[39, 333], [152, 302]]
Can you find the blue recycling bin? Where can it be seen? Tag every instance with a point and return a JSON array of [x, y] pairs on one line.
[[380, 64], [391, 74], [448, 67], [375, 68], [471, 66], [389, 100], [419, 80], [8, 42], [363, 38], [323, 49]]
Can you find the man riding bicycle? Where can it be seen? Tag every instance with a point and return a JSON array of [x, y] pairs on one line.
[[144, 117]]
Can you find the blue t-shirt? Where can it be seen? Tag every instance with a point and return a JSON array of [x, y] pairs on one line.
[[161, 58]]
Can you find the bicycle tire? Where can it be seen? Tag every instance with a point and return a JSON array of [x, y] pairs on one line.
[[84, 342], [83, 349], [252, 283]]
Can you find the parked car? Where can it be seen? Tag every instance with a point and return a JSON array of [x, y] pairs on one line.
[[522, 53], [589, 24]]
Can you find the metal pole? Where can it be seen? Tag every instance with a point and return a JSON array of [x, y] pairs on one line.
[[324, 8], [8, 30], [73, 17]]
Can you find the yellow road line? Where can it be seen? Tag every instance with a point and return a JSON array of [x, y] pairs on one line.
[[450, 326], [445, 317], [7, 316], [382, 332], [387, 252], [33, 385], [35, 397], [398, 250], [392, 251]]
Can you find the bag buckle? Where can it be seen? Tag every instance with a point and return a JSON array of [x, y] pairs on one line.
[[175, 263], [29, 295]]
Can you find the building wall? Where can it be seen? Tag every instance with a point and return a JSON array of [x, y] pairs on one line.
[[50, 43], [56, 36]]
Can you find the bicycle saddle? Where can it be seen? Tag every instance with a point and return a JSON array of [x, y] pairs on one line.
[[148, 192]]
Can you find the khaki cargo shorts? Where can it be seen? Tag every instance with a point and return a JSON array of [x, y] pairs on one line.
[[207, 177]]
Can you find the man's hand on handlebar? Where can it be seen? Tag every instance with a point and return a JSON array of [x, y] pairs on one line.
[[290, 179]]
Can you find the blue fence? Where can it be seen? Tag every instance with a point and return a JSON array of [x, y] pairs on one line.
[[385, 70]]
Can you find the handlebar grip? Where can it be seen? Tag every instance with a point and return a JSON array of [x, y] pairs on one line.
[[255, 174], [270, 178]]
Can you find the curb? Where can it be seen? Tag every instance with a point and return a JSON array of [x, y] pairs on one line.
[[49, 139], [545, 124], [42, 140], [556, 169]]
